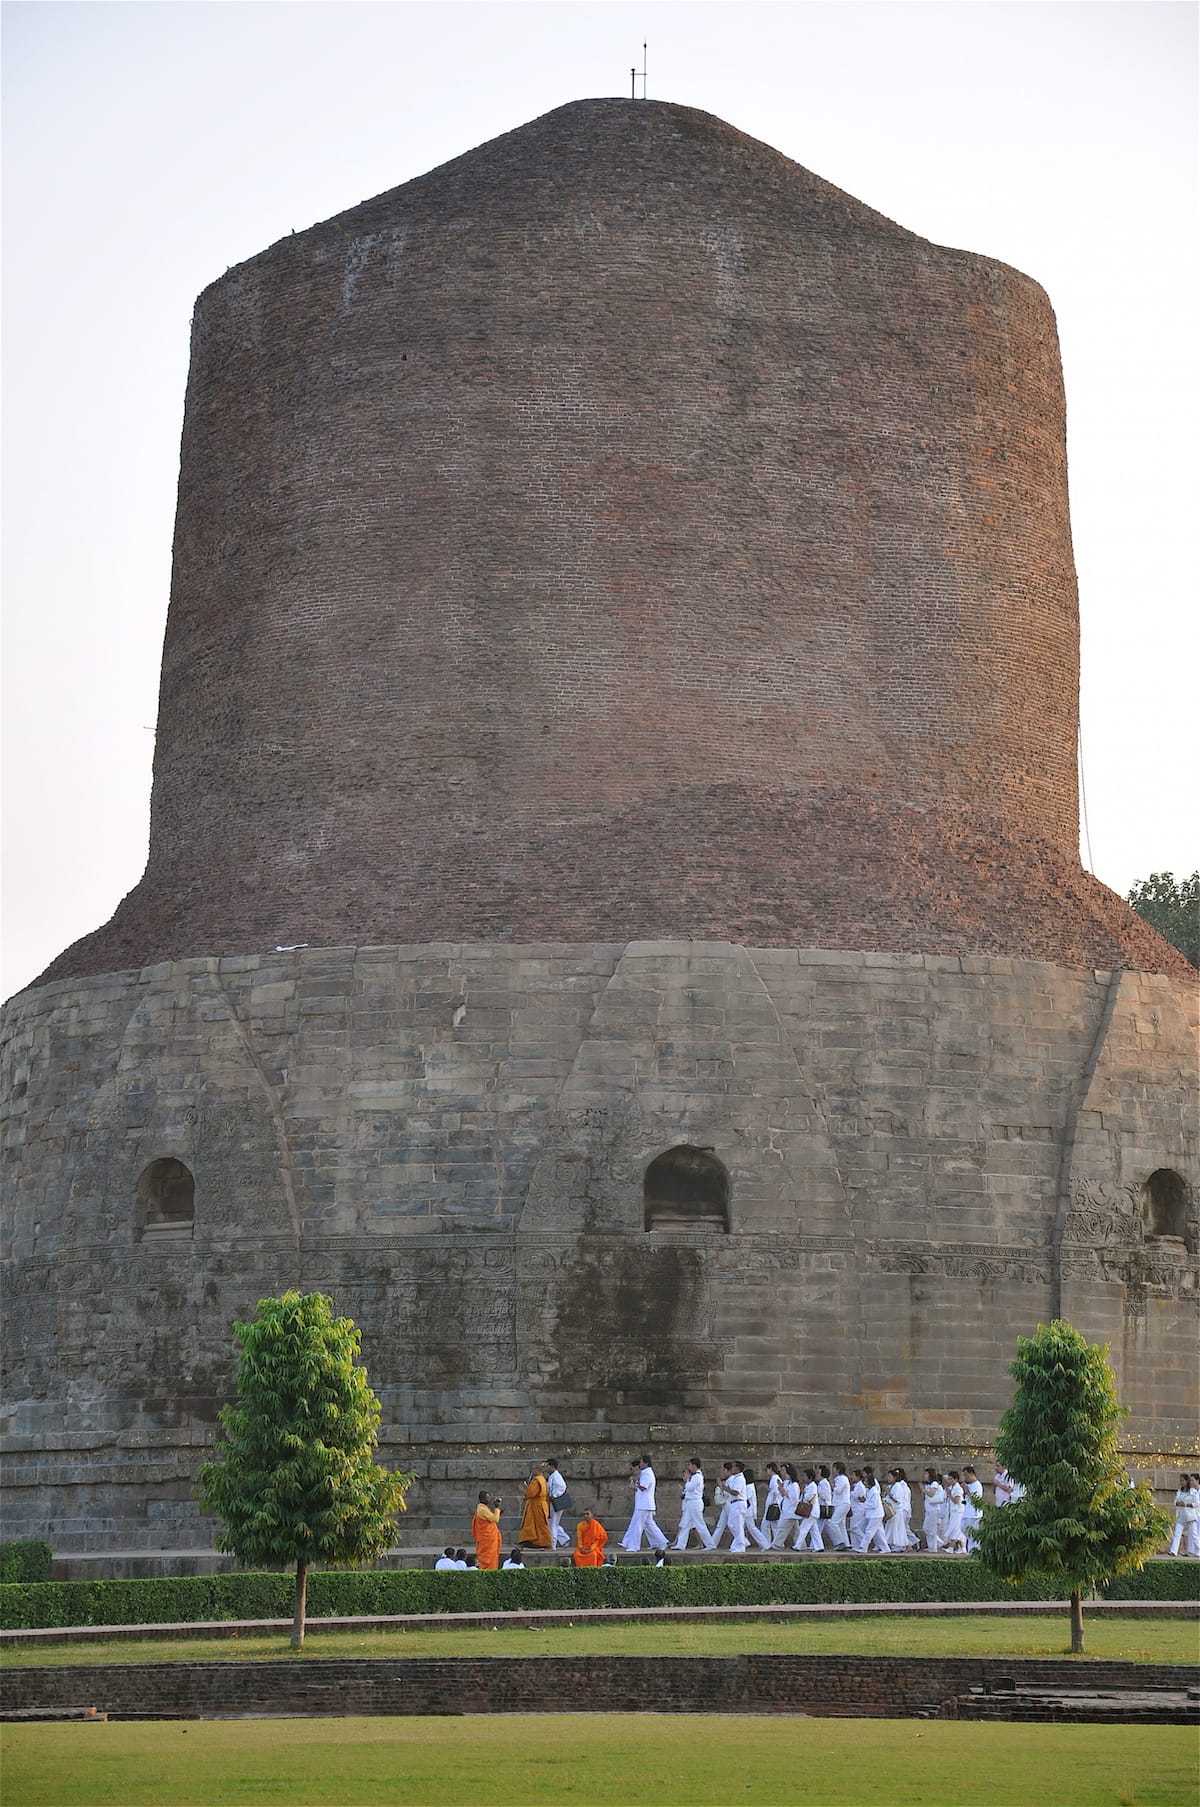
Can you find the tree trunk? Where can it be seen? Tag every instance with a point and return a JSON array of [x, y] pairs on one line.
[[298, 1614], [1077, 1624]]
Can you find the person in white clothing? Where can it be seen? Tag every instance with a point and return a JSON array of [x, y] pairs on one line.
[[691, 1517], [808, 1536], [514, 1560], [955, 1539], [721, 1501], [1003, 1486], [899, 1494], [972, 1516], [858, 1501], [1187, 1516], [643, 1523], [774, 1500], [446, 1559], [556, 1488], [839, 1535], [751, 1520], [825, 1506], [788, 1508], [873, 1537], [735, 1487], [935, 1498]]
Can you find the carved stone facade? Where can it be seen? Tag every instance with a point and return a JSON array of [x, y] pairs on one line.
[[452, 1142]]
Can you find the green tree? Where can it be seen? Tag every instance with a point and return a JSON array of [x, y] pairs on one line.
[[295, 1479], [1173, 908], [1080, 1521]]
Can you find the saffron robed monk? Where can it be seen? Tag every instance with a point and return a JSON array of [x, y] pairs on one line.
[[590, 1539], [535, 1519], [485, 1529]]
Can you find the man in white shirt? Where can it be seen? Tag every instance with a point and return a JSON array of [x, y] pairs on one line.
[[735, 1487], [691, 1517], [642, 1524], [556, 1488], [446, 1559]]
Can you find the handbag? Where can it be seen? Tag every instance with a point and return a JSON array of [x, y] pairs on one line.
[[564, 1503], [827, 1511], [772, 1511]]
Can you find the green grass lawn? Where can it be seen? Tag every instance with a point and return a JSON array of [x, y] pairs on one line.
[[578, 1760], [1133, 1640]]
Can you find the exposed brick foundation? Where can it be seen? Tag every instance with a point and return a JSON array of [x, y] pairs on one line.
[[863, 1686]]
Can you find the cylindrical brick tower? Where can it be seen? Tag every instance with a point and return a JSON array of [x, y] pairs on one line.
[[618, 532]]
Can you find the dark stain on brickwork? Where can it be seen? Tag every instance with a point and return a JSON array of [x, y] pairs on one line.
[[626, 1325]]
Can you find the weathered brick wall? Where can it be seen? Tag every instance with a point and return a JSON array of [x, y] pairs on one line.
[[620, 532], [869, 1687], [452, 1142]]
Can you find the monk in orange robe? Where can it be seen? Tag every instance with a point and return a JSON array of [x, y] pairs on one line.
[[485, 1529], [591, 1538], [535, 1520]]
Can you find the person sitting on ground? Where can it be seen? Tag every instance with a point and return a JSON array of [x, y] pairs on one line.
[[514, 1560], [446, 1559], [591, 1538]]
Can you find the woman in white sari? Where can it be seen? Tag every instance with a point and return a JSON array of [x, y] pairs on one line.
[[899, 1493], [935, 1498]]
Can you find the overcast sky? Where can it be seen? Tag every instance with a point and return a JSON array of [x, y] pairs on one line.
[[148, 147]]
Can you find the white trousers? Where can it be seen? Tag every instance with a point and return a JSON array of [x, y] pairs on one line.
[[737, 1524], [642, 1525], [719, 1527], [692, 1519], [756, 1534], [558, 1537], [1188, 1535], [873, 1537], [787, 1524], [809, 1534], [839, 1537]]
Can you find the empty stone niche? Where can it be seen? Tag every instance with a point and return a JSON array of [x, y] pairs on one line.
[[686, 1189], [1165, 1205], [165, 1202]]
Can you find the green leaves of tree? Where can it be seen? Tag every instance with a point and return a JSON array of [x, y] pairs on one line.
[[1172, 907], [295, 1479]]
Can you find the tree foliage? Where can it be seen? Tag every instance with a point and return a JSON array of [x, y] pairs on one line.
[[1173, 908], [1080, 1521], [295, 1480]]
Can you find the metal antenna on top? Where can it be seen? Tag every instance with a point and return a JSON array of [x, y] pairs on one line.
[[643, 71], [633, 75]]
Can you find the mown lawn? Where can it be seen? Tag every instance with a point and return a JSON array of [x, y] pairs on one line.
[[1133, 1640], [581, 1760]]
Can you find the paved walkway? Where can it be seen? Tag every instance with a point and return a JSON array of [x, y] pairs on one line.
[[623, 1615]]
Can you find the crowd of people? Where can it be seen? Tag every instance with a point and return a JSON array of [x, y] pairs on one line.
[[827, 1509]]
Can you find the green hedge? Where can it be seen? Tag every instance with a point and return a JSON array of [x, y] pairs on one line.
[[334, 1593], [26, 1561]]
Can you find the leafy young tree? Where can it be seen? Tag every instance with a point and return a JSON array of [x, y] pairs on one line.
[[1080, 1520], [1173, 908], [295, 1478]]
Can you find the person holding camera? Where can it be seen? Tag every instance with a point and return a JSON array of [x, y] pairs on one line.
[[485, 1529]]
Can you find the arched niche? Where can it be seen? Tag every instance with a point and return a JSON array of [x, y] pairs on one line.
[[165, 1202], [1164, 1204], [686, 1189]]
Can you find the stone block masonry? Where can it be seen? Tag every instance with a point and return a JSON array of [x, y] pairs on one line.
[[374, 1123]]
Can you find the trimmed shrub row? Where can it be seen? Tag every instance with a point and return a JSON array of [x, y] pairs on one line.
[[25, 1561], [335, 1593]]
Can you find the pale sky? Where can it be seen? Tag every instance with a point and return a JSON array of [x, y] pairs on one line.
[[148, 147]]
